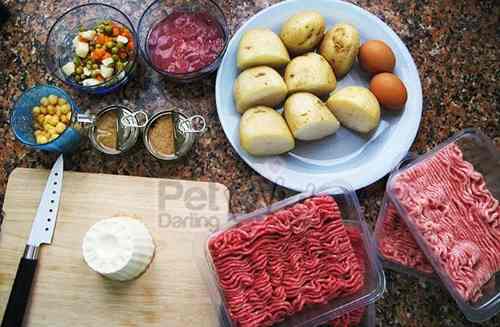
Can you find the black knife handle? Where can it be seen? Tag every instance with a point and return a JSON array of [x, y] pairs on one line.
[[20, 293]]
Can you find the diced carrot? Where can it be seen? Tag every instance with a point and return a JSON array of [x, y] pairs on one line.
[[125, 32], [100, 39], [82, 39], [130, 45], [99, 77], [98, 54], [106, 55], [116, 31]]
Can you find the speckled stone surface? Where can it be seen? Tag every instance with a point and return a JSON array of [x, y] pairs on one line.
[[454, 44]]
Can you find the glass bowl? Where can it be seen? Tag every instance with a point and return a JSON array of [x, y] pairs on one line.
[[59, 45], [161, 9], [21, 120]]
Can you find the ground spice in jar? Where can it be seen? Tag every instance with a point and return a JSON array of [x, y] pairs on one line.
[[162, 135], [106, 130]]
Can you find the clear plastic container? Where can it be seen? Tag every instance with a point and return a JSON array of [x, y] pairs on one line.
[[388, 262], [425, 269], [480, 151], [368, 319], [311, 316]]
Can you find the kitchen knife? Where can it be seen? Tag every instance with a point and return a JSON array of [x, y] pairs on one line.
[[41, 233]]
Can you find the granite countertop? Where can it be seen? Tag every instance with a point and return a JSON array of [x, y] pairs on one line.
[[454, 44]]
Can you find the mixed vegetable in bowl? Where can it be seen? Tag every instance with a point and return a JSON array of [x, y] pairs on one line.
[[102, 53]]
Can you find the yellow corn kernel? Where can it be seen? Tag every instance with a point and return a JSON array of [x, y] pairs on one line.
[[60, 127], [36, 110], [44, 101], [64, 119], [61, 102], [40, 119], [53, 99], [65, 108], [43, 110]]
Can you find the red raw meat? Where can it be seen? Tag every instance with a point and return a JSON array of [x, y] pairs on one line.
[[457, 216], [354, 317], [272, 268], [396, 244]]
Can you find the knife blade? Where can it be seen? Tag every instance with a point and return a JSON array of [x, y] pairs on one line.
[[42, 232]]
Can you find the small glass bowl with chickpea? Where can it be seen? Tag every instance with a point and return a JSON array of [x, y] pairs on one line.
[[43, 118]]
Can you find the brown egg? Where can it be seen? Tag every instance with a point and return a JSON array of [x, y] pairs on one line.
[[389, 91], [376, 57]]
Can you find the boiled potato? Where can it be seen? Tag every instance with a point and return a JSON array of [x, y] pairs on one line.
[[259, 86], [308, 117], [303, 32], [261, 47], [264, 132], [340, 47], [356, 108], [310, 73]]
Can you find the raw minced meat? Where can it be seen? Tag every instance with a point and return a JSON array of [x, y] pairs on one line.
[[396, 244], [457, 217], [270, 269]]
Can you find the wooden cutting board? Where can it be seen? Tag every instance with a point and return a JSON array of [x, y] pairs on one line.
[[67, 293]]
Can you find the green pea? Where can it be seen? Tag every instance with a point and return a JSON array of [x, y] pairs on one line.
[[78, 78], [119, 66], [119, 45], [95, 66], [114, 50], [79, 70], [99, 30], [108, 29], [115, 57], [77, 60], [109, 44], [81, 28]]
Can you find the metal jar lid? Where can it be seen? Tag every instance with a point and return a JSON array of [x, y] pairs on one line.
[[184, 131], [127, 134]]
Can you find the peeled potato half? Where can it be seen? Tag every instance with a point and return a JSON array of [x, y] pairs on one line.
[[340, 47], [310, 73], [261, 47], [264, 132], [309, 118], [356, 108], [259, 86]]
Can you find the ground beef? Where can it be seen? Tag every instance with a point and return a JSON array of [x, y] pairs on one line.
[[396, 244], [270, 269], [457, 217], [354, 317]]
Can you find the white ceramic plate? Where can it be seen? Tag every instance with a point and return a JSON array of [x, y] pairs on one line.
[[347, 157]]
